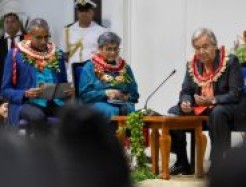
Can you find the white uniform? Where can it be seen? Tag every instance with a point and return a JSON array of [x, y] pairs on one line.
[[86, 41]]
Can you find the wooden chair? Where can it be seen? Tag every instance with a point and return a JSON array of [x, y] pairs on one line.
[[77, 69]]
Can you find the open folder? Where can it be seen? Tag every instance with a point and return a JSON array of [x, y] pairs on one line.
[[54, 91]]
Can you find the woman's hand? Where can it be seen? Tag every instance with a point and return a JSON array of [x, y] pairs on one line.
[[113, 94], [70, 92], [123, 96]]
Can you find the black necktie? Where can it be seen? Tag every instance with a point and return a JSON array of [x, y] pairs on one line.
[[12, 45]]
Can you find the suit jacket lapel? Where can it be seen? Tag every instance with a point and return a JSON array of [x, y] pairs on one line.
[[216, 65], [5, 46], [200, 70], [22, 37]]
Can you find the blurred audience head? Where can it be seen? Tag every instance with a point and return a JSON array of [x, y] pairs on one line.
[[82, 151], [230, 172], [3, 108]]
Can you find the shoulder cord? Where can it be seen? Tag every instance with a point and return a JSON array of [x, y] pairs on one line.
[[72, 48]]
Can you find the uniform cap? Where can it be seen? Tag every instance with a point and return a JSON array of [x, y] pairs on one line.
[[85, 4]]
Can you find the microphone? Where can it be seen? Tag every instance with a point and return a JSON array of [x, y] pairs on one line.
[[150, 112]]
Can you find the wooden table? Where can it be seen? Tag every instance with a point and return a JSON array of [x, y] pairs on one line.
[[162, 141]]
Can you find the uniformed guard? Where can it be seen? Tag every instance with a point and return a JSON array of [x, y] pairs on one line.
[[80, 38]]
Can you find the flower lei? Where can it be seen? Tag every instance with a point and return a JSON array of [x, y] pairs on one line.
[[101, 67], [202, 80], [40, 60]]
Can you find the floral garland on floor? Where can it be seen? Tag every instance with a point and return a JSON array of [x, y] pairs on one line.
[[40, 60], [202, 80], [135, 125], [101, 67]]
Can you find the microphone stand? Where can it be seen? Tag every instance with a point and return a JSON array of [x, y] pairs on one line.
[[149, 112]]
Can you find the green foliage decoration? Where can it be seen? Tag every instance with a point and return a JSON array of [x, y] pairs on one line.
[[135, 125], [240, 52]]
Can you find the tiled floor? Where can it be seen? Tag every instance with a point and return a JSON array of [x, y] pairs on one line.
[[178, 181], [186, 181]]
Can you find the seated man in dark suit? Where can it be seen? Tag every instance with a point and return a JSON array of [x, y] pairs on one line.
[[212, 86], [12, 35]]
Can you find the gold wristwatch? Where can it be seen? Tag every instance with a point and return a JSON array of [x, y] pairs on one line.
[[214, 101]]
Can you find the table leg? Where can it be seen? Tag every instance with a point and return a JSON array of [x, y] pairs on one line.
[[165, 146], [121, 133], [192, 151], [201, 148], [154, 146]]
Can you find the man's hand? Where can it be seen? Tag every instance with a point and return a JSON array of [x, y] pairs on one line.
[[33, 93], [186, 107], [203, 101], [70, 92]]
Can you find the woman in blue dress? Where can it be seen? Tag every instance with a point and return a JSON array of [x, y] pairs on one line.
[[107, 81]]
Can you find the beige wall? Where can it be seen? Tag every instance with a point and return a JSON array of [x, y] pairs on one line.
[[160, 33], [57, 12], [156, 34]]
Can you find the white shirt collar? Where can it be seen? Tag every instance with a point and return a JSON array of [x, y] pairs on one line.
[[91, 25], [6, 35]]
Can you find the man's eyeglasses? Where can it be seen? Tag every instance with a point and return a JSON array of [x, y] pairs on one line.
[[204, 47], [112, 49], [39, 38]]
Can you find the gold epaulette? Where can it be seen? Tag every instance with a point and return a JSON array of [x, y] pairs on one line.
[[69, 25]]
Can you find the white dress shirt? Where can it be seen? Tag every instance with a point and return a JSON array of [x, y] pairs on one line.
[[16, 38]]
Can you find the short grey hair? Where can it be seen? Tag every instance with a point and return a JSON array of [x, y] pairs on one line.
[[108, 38], [204, 32], [38, 23]]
